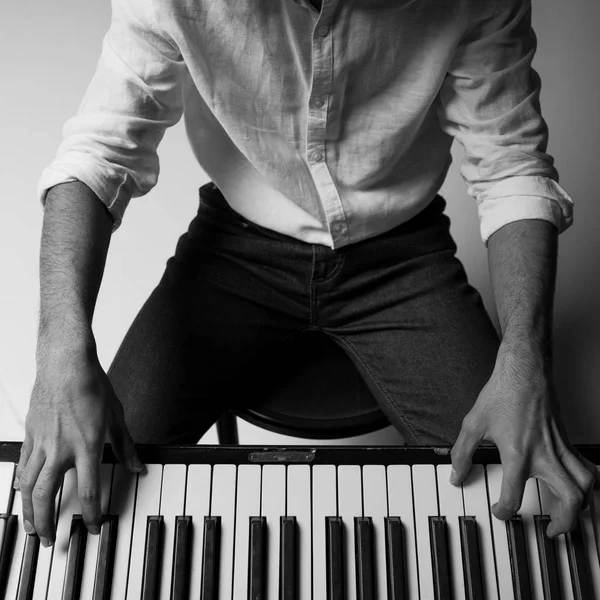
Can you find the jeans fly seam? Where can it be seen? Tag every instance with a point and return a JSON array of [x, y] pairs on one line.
[[340, 263], [350, 346], [311, 289]]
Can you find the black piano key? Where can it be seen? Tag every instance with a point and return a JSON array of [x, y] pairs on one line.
[[152, 558], [75, 559], [334, 541], [578, 564], [288, 559], [211, 551], [519, 564], [106, 557], [471, 561], [181, 558], [10, 523], [27, 574], [365, 559], [257, 569], [548, 559], [396, 559], [440, 558]]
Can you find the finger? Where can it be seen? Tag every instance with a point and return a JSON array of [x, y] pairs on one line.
[[26, 448], [121, 440], [89, 490], [580, 475], [44, 500], [27, 483], [582, 471], [462, 451], [568, 494], [514, 478]]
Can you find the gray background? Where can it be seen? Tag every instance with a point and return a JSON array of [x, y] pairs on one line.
[[49, 52]]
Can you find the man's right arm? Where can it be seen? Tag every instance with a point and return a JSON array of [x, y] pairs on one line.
[[108, 156], [76, 235], [73, 405]]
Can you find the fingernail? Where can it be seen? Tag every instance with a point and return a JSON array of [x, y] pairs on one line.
[[94, 530], [16, 483], [453, 477], [29, 529], [137, 464], [45, 542]]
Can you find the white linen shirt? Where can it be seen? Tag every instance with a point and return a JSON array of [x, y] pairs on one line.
[[329, 126]]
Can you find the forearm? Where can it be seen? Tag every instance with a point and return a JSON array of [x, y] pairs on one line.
[[75, 239], [522, 262]]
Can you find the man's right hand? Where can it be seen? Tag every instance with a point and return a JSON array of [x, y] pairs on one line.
[[73, 407]]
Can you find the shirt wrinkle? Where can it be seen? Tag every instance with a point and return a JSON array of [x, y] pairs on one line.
[[331, 125]]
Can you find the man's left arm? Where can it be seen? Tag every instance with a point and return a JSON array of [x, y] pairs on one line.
[[517, 409], [490, 103]]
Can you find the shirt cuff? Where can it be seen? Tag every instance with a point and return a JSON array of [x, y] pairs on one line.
[[109, 188], [524, 197]]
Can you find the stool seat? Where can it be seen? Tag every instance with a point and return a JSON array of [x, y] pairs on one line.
[[325, 398]]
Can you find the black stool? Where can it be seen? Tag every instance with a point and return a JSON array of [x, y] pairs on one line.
[[326, 398]]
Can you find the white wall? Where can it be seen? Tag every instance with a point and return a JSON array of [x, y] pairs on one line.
[[49, 52]]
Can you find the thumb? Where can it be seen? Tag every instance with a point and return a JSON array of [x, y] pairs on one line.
[[462, 453], [121, 440]]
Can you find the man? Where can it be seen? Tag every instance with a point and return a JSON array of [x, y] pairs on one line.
[[327, 130]]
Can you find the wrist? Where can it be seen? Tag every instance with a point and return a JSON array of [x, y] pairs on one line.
[[64, 337], [530, 356]]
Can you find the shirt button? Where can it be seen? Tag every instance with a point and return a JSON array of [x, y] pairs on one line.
[[323, 31], [317, 156], [337, 228], [319, 102]]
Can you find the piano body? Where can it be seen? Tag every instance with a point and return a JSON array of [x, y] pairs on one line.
[[298, 523]]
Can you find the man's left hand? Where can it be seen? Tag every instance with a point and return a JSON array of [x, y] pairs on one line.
[[517, 411]]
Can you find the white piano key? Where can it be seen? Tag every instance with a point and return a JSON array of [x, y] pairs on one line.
[[324, 504], [589, 517], [122, 503], [549, 502], [588, 532], [147, 503], [19, 547], [400, 502], [172, 503], [222, 505], [349, 489], [247, 505], [44, 560], [299, 505], [505, 582], [426, 505], [476, 504], [596, 521], [451, 507], [197, 506], [69, 506], [7, 476], [273, 508], [375, 506], [93, 541], [530, 507]]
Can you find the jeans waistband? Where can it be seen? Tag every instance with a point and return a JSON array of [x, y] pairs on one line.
[[210, 194]]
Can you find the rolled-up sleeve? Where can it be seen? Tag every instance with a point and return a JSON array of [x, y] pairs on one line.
[[135, 94], [489, 102]]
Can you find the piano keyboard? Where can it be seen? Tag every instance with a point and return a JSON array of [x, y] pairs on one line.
[[301, 523]]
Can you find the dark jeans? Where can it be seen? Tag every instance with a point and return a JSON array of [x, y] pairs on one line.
[[216, 331]]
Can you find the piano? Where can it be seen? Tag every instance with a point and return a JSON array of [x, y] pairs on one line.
[[298, 523]]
